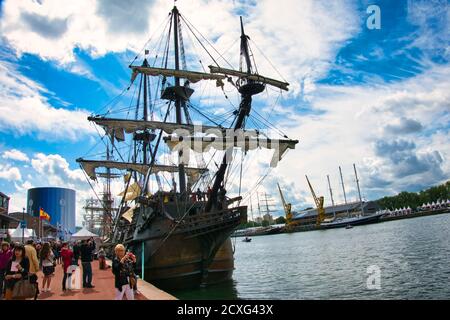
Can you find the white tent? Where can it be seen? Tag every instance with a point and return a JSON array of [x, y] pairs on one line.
[[16, 234], [83, 234]]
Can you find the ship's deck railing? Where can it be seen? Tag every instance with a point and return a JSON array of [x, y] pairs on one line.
[[207, 222]]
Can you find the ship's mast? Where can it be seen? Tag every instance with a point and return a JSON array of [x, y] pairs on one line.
[[343, 189], [331, 195], [107, 195], [244, 48], [107, 198], [145, 117], [178, 102], [259, 207], [251, 210], [359, 191], [247, 88]]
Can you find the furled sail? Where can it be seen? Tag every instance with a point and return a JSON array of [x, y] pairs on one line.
[[89, 167], [202, 144], [255, 77], [192, 76], [117, 127]]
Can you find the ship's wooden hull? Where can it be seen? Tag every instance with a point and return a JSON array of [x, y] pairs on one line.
[[197, 252], [181, 264]]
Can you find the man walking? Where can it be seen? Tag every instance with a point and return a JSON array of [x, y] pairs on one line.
[[5, 256], [86, 252]]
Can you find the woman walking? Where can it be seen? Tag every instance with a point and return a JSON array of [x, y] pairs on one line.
[[48, 266], [123, 270], [17, 269], [67, 257]]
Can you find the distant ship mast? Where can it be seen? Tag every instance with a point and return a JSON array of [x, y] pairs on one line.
[[331, 195], [343, 189], [359, 191]]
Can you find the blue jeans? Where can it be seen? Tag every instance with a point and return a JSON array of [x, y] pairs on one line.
[[87, 273]]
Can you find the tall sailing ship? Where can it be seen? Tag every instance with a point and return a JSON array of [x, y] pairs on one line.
[[181, 237]]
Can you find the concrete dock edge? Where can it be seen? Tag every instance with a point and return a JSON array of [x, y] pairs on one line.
[[148, 290]]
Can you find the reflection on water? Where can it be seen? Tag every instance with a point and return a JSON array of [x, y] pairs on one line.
[[224, 290], [413, 256]]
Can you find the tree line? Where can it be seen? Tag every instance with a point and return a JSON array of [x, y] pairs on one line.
[[416, 199], [264, 223]]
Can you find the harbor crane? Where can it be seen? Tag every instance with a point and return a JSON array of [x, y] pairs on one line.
[[287, 210], [319, 204]]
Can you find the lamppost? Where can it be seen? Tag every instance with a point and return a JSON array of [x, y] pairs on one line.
[[30, 204], [22, 225]]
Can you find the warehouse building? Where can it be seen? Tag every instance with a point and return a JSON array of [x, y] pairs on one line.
[[309, 216]]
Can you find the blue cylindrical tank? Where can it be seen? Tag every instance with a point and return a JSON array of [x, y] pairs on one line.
[[59, 203]]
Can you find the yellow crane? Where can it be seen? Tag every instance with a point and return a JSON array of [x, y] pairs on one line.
[[287, 210], [319, 204]]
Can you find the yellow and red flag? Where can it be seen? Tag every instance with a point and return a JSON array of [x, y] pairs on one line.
[[43, 215]]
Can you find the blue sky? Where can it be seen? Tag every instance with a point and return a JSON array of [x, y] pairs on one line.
[[377, 98]]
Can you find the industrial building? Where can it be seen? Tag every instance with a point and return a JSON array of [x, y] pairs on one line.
[[5, 219], [59, 203], [309, 216], [4, 203]]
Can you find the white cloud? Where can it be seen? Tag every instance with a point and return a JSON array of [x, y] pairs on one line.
[[301, 41], [354, 118], [433, 21], [49, 170], [54, 170], [25, 110], [17, 201], [15, 154], [10, 173], [57, 171], [53, 30]]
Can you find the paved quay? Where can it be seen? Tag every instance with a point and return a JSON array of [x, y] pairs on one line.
[[103, 280]]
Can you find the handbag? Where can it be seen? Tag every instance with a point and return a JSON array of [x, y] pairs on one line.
[[132, 281], [23, 289]]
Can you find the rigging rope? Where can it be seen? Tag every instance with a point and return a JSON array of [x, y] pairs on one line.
[[207, 41], [150, 38], [267, 59], [87, 179], [187, 24], [180, 36]]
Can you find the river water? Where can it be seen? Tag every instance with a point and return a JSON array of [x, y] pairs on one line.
[[402, 259]]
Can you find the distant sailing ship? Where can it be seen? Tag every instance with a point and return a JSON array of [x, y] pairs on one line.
[[181, 237]]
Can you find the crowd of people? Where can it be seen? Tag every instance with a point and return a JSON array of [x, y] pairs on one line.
[[23, 262]]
